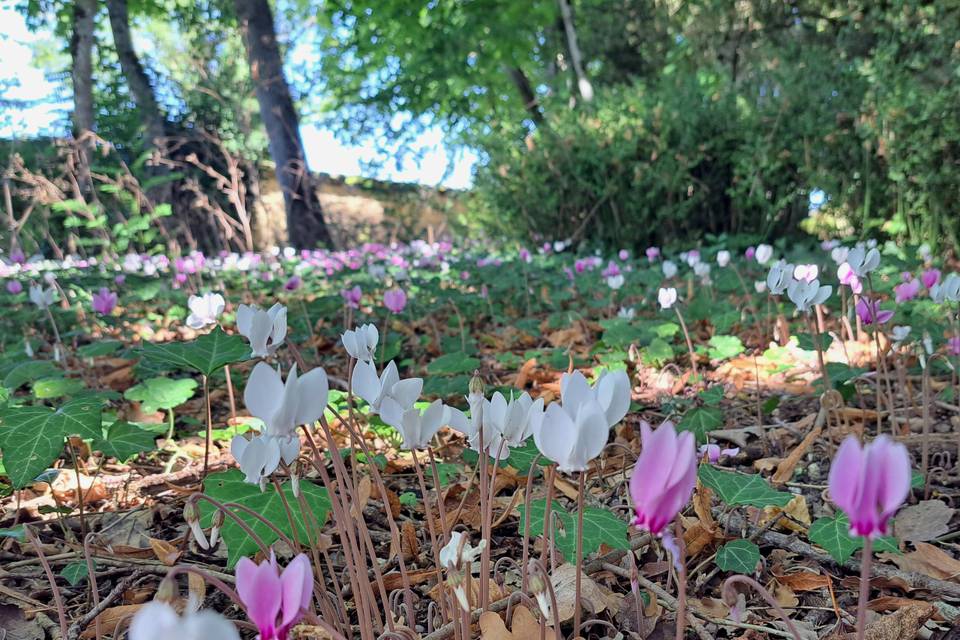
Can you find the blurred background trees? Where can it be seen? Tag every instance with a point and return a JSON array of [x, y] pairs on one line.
[[621, 122]]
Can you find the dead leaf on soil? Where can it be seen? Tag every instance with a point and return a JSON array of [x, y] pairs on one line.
[[165, 552], [593, 598], [924, 521], [903, 624], [929, 560]]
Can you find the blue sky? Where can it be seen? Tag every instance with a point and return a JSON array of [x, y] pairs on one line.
[[20, 80]]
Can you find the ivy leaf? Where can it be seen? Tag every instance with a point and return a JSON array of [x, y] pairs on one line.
[[700, 421], [805, 341], [833, 534], [450, 363], [600, 527], [100, 348], [741, 489], [161, 393], [520, 458], [658, 352], [724, 347], [29, 371], [206, 354], [75, 572], [230, 487], [124, 440], [56, 387], [32, 437], [740, 556]]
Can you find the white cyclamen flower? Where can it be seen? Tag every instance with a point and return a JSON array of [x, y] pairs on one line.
[[626, 313], [760, 286], [840, 254], [946, 291], [513, 420], [808, 294], [204, 310], [386, 394], [159, 621], [452, 556], [723, 258], [780, 277], [667, 297], [265, 330], [763, 253], [282, 407], [361, 343], [615, 282], [575, 432], [418, 428], [41, 297], [862, 260], [669, 269]]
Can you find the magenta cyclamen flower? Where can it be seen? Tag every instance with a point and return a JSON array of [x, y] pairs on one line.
[[653, 253], [275, 601], [14, 286], [870, 312], [293, 283], [352, 297], [953, 346], [395, 299], [104, 301], [664, 476], [930, 277], [907, 290], [870, 483]]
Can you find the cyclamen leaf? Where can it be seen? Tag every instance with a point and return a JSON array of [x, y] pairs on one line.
[[600, 527], [30, 371], [740, 489], [451, 363], [740, 556], [32, 437], [161, 393], [701, 421], [230, 487], [125, 440], [833, 534], [206, 354]]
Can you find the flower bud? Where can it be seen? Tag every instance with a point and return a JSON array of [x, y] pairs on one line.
[[215, 528], [167, 591], [192, 515]]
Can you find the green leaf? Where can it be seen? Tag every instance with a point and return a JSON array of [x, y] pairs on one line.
[[805, 341], [124, 440], [833, 534], [206, 354], [56, 387], [408, 499], [161, 393], [28, 372], [724, 347], [657, 353], [600, 526], [75, 572], [230, 487], [450, 363], [712, 396], [32, 437], [101, 348], [700, 421], [742, 489], [740, 556], [14, 532]]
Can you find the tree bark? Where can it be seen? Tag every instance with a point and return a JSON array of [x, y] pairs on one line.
[[530, 103], [305, 224], [133, 71], [583, 84], [81, 52]]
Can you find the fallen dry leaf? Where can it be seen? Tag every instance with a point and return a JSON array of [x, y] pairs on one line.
[[593, 598], [924, 521], [165, 552], [904, 624], [929, 560], [110, 619]]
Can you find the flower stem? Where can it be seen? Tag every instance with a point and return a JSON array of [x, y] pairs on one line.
[[582, 489], [209, 438], [686, 335], [864, 587], [681, 581]]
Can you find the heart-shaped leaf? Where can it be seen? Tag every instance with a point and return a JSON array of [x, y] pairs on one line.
[[600, 527], [742, 489], [161, 393], [450, 363], [206, 354], [740, 556], [124, 440], [230, 487], [833, 534], [701, 421]]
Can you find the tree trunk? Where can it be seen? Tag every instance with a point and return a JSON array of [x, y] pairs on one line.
[[136, 77], [583, 84], [530, 102], [305, 224], [81, 51]]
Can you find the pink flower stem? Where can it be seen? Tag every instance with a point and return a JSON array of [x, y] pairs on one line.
[[209, 439], [547, 529], [729, 595], [686, 335], [57, 598], [432, 528], [484, 587], [864, 587], [815, 329], [230, 395], [582, 489], [681, 580], [526, 519]]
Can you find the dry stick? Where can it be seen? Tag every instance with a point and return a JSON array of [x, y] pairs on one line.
[[661, 594], [582, 489], [432, 527], [864, 587], [57, 598], [347, 534], [686, 336], [94, 613]]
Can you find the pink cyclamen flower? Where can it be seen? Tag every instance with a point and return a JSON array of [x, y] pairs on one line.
[[953, 346], [870, 483], [14, 286], [870, 312], [395, 299], [849, 277], [806, 272], [713, 452], [930, 277], [664, 476], [104, 301], [293, 283], [623, 254], [907, 290], [275, 601], [653, 253], [750, 253], [352, 297]]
